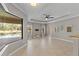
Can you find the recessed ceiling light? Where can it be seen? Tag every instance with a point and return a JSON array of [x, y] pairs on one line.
[[33, 4]]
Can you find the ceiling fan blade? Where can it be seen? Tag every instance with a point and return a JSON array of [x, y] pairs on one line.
[[51, 17], [48, 16]]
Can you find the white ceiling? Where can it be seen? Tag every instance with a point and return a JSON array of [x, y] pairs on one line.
[[54, 9]]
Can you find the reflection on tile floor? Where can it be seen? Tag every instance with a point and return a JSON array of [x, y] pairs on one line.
[[47, 47]]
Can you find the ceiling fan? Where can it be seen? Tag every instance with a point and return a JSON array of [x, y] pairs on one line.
[[47, 16]]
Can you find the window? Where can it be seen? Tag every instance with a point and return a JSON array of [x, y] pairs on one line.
[[11, 26], [8, 30], [69, 29]]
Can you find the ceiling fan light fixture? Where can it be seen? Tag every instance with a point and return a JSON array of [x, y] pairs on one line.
[[46, 19]]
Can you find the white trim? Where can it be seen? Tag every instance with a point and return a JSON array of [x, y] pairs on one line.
[[64, 40], [61, 18], [19, 9], [4, 6], [64, 18], [17, 49], [2, 51]]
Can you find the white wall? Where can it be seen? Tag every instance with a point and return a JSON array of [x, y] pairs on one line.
[[74, 22]]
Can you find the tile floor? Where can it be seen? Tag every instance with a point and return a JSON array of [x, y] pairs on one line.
[[47, 47]]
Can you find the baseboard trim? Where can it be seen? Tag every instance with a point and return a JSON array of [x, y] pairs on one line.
[[64, 40], [2, 51], [17, 49]]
